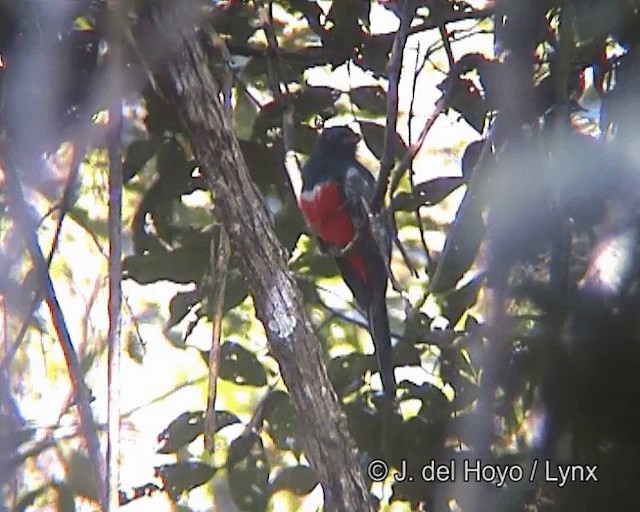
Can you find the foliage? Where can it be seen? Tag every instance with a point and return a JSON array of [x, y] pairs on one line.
[[536, 283]]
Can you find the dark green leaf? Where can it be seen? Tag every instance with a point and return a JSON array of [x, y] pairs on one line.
[[347, 372], [181, 431], [370, 98], [138, 153], [224, 419], [468, 100], [161, 115], [281, 420], [172, 165], [80, 480], [182, 265], [426, 194], [240, 366], [298, 479], [237, 20], [184, 476], [66, 500], [248, 472], [461, 246], [180, 304], [457, 302], [373, 135], [27, 500]]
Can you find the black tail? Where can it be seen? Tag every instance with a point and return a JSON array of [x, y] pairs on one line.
[[371, 297], [381, 334]]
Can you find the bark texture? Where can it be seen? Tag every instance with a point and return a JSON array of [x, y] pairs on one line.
[[188, 82]]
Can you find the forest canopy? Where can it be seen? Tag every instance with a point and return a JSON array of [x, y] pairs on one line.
[[174, 336]]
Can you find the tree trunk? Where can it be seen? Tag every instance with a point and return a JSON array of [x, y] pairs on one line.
[[188, 82]]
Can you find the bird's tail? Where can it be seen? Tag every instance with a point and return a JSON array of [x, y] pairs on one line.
[[381, 334]]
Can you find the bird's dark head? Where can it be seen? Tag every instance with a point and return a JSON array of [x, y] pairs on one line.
[[339, 141]]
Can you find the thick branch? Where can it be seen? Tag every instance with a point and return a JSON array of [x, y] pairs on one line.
[[278, 301]]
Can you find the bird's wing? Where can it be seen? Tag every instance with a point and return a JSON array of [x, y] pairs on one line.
[[358, 184]]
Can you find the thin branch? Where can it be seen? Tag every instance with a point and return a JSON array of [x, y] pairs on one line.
[[21, 216], [219, 269], [395, 69], [414, 147], [312, 55], [452, 17], [412, 178], [117, 25], [63, 207], [447, 45]]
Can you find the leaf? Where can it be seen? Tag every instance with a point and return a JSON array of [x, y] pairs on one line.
[[183, 265], [236, 289], [289, 225], [308, 103], [346, 33], [173, 166], [180, 304], [374, 54], [471, 156], [313, 100], [461, 245], [467, 99], [370, 98], [373, 134], [347, 372], [161, 115], [245, 113], [12, 436], [224, 419], [428, 193], [181, 431], [281, 420], [237, 20], [66, 501], [28, 499], [262, 164], [80, 476], [138, 153], [456, 303], [248, 472], [184, 476], [240, 366], [300, 480]]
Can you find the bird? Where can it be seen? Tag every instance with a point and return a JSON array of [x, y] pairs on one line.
[[335, 187]]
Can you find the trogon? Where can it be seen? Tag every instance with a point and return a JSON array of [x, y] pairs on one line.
[[334, 185]]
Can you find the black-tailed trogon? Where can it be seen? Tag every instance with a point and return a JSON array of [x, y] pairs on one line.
[[334, 184]]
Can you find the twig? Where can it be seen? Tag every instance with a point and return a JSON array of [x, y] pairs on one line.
[[63, 207], [141, 491], [320, 55], [22, 218], [219, 269], [447, 45], [473, 14], [441, 105], [418, 67], [274, 65], [395, 69], [346, 318]]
